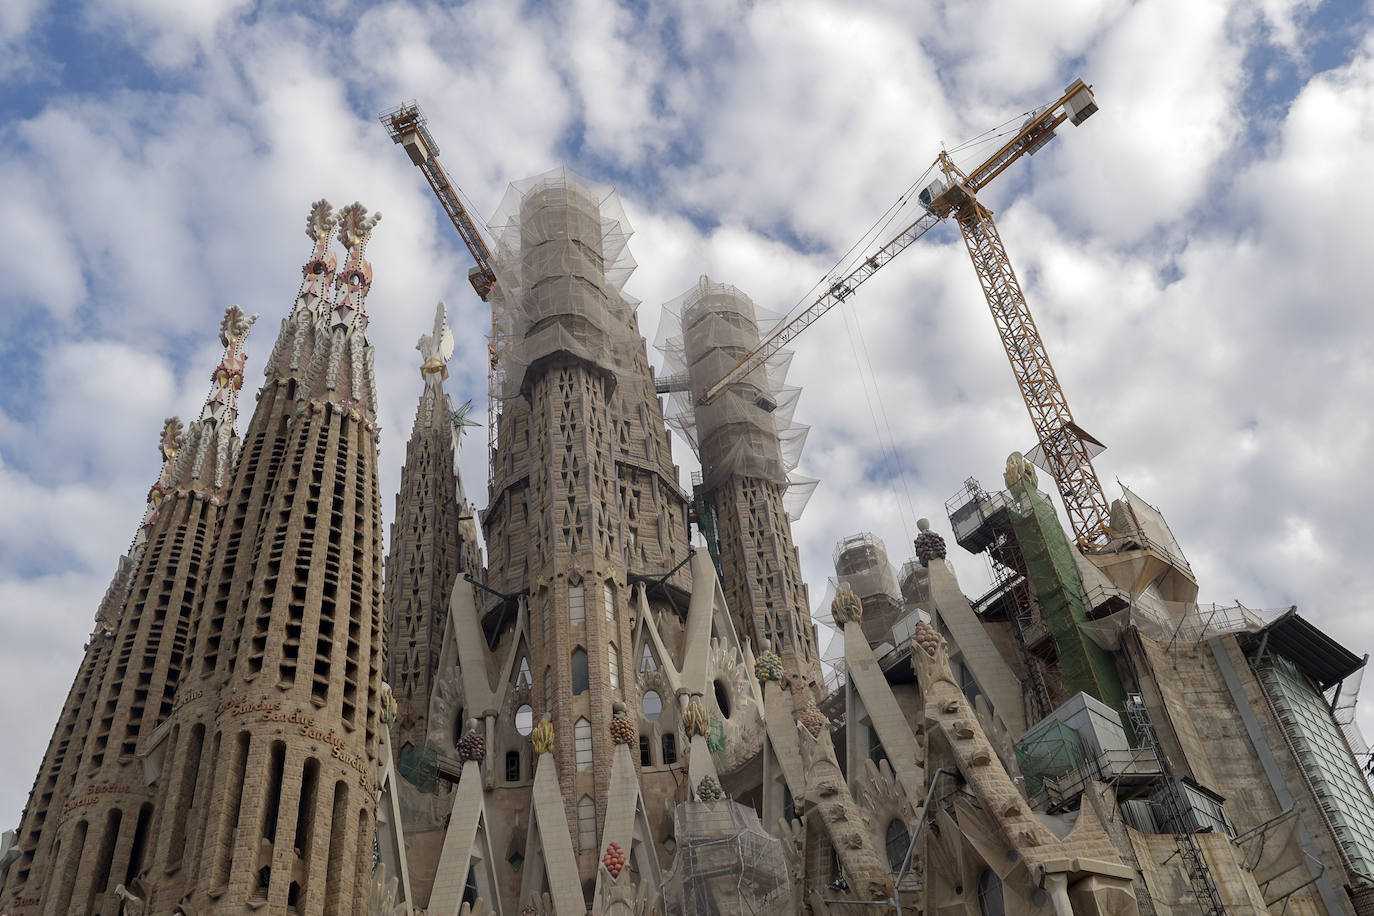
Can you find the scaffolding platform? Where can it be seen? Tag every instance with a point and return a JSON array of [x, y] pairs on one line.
[[726, 863], [976, 516]]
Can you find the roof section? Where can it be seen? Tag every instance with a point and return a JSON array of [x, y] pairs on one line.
[[1317, 655]]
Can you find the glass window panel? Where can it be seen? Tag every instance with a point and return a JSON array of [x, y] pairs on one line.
[[582, 743], [579, 671], [577, 611], [586, 824]]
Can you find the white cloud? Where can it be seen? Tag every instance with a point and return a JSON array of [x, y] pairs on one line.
[[37, 253], [171, 34], [19, 62]]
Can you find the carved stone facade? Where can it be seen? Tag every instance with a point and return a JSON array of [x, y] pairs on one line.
[[585, 724], [233, 695]]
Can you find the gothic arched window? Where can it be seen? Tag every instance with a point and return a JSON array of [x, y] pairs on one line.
[[579, 671], [898, 839], [990, 894], [669, 749]]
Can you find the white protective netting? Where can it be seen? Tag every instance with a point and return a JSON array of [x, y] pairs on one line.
[[561, 261], [749, 431], [914, 581], [1174, 622], [725, 863], [1344, 698], [861, 563]]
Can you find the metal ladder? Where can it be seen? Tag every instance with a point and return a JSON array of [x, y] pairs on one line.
[[1199, 875]]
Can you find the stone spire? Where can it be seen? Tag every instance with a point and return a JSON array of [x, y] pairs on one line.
[[92, 774], [436, 348], [52, 787], [317, 284], [291, 631], [210, 447], [339, 365], [433, 542]]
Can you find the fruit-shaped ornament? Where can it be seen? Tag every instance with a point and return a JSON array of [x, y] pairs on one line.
[[812, 718], [614, 859], [846, 606], [768, 666], [695, 721], [927, 639], [472, 746], [542, 736], [709, 789], [621, 728], [928, 543]]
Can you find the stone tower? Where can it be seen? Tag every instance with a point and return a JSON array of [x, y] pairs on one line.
[[748, 445], [266, 769], [584, 502], [433, 539], [98, 839], [433, 545]]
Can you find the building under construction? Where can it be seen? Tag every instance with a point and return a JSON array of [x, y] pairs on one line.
[[593, 715]]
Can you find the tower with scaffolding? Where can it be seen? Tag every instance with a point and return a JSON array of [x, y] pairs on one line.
[[748, 491]]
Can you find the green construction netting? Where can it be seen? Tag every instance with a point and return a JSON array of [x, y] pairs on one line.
[[419, 767], [1058, 586], [1047, 752]]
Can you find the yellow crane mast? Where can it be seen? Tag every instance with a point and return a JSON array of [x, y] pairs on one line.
[[1065, 448], [407, 126]]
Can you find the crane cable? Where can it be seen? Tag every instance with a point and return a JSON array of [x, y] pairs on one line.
[[884, 220], [882, 427]]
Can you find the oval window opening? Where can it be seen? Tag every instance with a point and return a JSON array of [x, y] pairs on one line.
[[524, 719], [722, 699], [653, 705]]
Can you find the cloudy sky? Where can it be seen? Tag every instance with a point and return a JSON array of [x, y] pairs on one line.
[[1194, 252]]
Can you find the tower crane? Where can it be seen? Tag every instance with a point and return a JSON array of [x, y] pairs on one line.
[[1066, 448], [406, 125]]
